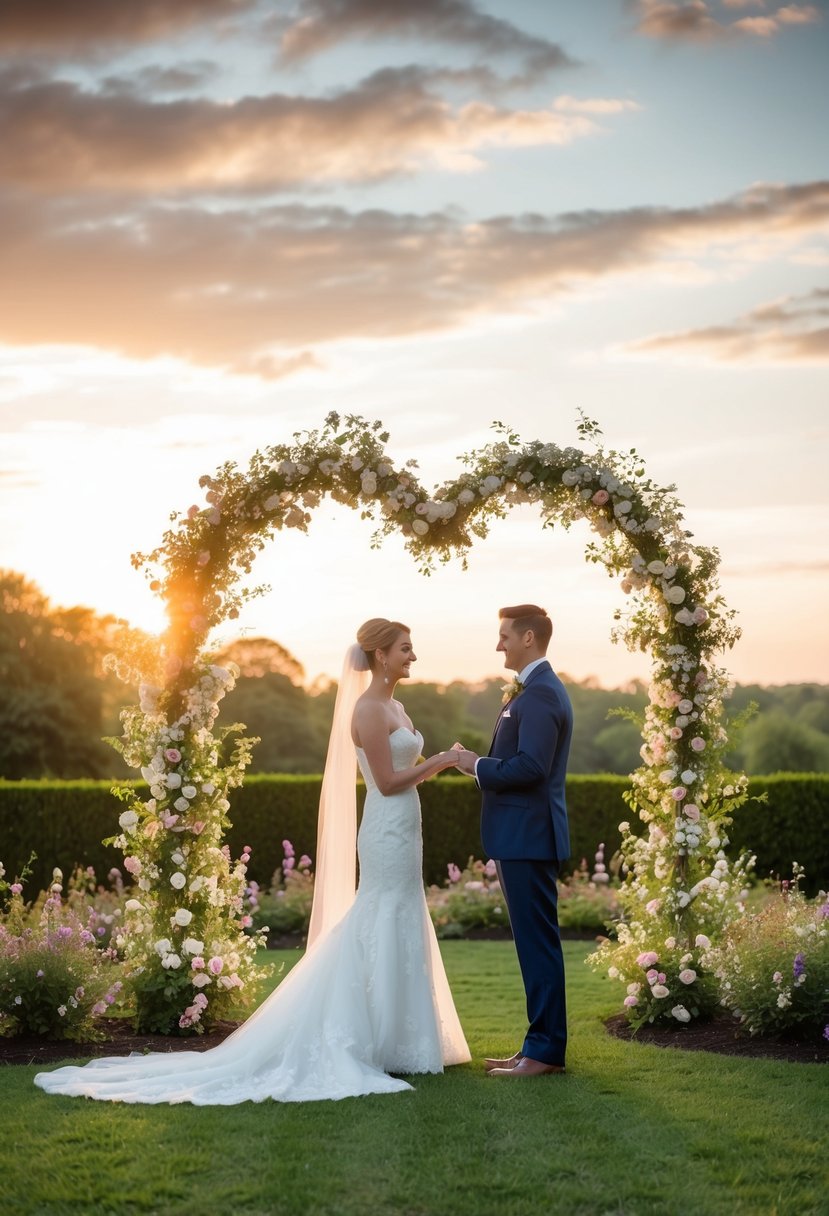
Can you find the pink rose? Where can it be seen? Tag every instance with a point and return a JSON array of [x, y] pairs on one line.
[[700, 616], [675, 732], [687, 976], [173, 755], [652, 976], [168, 820], [630, 1001], [288, 863], [197, 964], [600, 498], [192, 512], [305, 862], [215, 965], [288, 848], [698, 744], [648, 958], [678, 793], [453, 872], [132, 864], [16, 888], [691, 811], [198, 827]]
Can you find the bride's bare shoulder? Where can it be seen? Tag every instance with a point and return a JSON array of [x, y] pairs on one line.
[[369, 717]]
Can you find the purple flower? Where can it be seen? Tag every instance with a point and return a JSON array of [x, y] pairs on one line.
[[799, 964], [826, 1032]]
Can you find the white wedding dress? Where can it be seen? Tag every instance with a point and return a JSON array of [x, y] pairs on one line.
[[369, 998]]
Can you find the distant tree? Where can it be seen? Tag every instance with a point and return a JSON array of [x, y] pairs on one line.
[[257, 657], [774, 743], [52, 687]]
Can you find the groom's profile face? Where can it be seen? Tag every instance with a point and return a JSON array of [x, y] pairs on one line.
[[511, 645]]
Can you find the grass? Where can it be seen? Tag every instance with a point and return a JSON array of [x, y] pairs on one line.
[[629, 1131]]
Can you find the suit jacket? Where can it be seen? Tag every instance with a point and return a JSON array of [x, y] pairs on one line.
[[523, 811]]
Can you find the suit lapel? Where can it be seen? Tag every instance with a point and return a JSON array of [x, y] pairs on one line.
[[542, 667]]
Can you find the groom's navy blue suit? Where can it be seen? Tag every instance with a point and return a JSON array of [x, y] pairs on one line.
[[524, 828]]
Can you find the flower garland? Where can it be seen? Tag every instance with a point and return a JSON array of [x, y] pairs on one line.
[[679, 886]]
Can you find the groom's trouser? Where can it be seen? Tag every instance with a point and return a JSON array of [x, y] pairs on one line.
[[532, 902]]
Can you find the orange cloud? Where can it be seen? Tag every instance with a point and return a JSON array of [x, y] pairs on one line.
[[793, 330], [79, 27], [694, 21], [59, 136], [228, 288], [319, 25]]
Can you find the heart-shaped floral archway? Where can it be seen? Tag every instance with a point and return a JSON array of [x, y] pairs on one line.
[[184, 940]]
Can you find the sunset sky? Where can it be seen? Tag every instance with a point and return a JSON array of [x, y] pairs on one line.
[[221, 219]]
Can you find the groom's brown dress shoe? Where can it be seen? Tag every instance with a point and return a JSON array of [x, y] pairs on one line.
[[510, 1063], [527, 1067]]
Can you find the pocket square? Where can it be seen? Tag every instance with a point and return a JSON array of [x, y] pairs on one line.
[[505, 714]]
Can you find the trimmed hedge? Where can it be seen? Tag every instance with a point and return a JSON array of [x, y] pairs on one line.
[[63, 822]]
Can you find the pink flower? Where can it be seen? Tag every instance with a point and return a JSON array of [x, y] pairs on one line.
[[691, 811], [168, 820], [678, 793], [197, 964], [630, 1001], [675, 732], [192, 512], [453, 872], [700, 615], [173, 755], [16, 888], [288, 863], [652, 976], [653, 906], [132, 864], [687, 976], [198, 827], [288, 848], [215, 965], [246, 921], [648, 958], [98, 1008], [661, 977], [698, 744], [776, 978], [490, 869], [600, 498], [305, 862]]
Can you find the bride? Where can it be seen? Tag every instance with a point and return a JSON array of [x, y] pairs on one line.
[[370, 997]]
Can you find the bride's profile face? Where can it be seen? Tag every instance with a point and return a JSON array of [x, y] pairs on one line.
[[399, 657]]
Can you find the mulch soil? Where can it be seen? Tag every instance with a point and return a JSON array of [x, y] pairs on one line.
[[719, 1036], [723, 1037]]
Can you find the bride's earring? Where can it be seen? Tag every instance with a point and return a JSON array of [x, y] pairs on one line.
[[386, 670]]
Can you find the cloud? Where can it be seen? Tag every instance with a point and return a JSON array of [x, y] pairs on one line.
[[695, 20], [80, 28], [792, 330], [60, 136], [593, 105], [224, 288], [322, 24]]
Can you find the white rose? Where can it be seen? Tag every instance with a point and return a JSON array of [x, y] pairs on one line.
[[163, 946], [675, 595], [688, 776], [660, 991], [200, 980], [181, 805], [177, 880], [208, 788], [680, 1013], [128, 820], [171, 961], [420, 526], [656, 567], [189, 791], [702, 941], [173, 781], [133, 905], [191, 945], [182, 917], [685, 706]]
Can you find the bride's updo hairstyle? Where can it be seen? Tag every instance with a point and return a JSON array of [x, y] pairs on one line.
[[378, 634]]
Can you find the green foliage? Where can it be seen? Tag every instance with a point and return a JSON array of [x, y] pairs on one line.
[[773, 965], [65, 822], [54, 980]]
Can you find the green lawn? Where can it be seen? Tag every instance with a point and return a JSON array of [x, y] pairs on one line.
[[630, 1130]]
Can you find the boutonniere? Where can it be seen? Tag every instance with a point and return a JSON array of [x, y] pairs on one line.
[[511, 690]]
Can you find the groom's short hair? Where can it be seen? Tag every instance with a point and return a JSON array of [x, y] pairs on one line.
[[529, 616]]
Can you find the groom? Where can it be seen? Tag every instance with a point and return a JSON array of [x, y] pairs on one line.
[[524, 827]]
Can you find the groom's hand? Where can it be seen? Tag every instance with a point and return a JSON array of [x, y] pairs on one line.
[[466, 760]]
